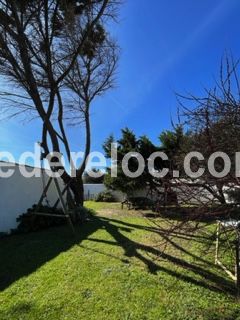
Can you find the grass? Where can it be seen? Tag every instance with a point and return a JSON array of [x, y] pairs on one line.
[[103, 205], [116, 270]]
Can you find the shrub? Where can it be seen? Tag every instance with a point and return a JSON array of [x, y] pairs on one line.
[[105, 196], [3, 235], [29, 222], [234, 195], [141, 202], [85, 213]]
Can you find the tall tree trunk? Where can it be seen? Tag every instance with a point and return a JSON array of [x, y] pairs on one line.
[[76, 186], [79, 181]]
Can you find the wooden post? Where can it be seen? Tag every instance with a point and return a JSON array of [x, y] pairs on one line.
[[237, 261], [64, 207], [58, 200], [217, 243], [43, 194]]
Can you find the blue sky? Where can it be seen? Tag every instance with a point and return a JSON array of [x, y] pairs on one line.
[[166, 46]]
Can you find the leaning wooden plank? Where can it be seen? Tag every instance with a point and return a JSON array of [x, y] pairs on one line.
[[58, 200], [231, 275], [217, 242], [50, 215], [44, 193], [64, 207], [238, 262]]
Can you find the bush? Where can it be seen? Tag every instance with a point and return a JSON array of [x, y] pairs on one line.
[[3, 235], [139, 203], [85, 213], [28, 222], [234, 195], [105, 196]]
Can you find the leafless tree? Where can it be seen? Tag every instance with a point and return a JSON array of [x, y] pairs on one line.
[[91, 76], [34, 36], [214, 121]]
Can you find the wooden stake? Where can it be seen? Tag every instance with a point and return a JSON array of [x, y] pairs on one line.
[[217, 243], [238, 262]]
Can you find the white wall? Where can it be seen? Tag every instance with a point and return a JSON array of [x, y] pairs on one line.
[[18, 193], [92, 190]]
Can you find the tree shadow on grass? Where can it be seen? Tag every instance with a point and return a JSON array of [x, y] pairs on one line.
[[20, 255], [153, 256], [23, 254]]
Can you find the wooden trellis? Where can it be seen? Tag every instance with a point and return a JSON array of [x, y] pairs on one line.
[[223, 229], [60, 193], [66, 212]]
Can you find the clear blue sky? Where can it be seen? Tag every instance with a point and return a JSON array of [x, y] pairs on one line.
[[166, 46]]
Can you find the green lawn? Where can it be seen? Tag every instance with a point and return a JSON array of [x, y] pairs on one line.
[[118, 269]]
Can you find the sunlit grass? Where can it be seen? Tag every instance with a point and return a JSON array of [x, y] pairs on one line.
[[115, 270]]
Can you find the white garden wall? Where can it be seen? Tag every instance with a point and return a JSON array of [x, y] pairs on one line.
[[18, 193], [92, 190]]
